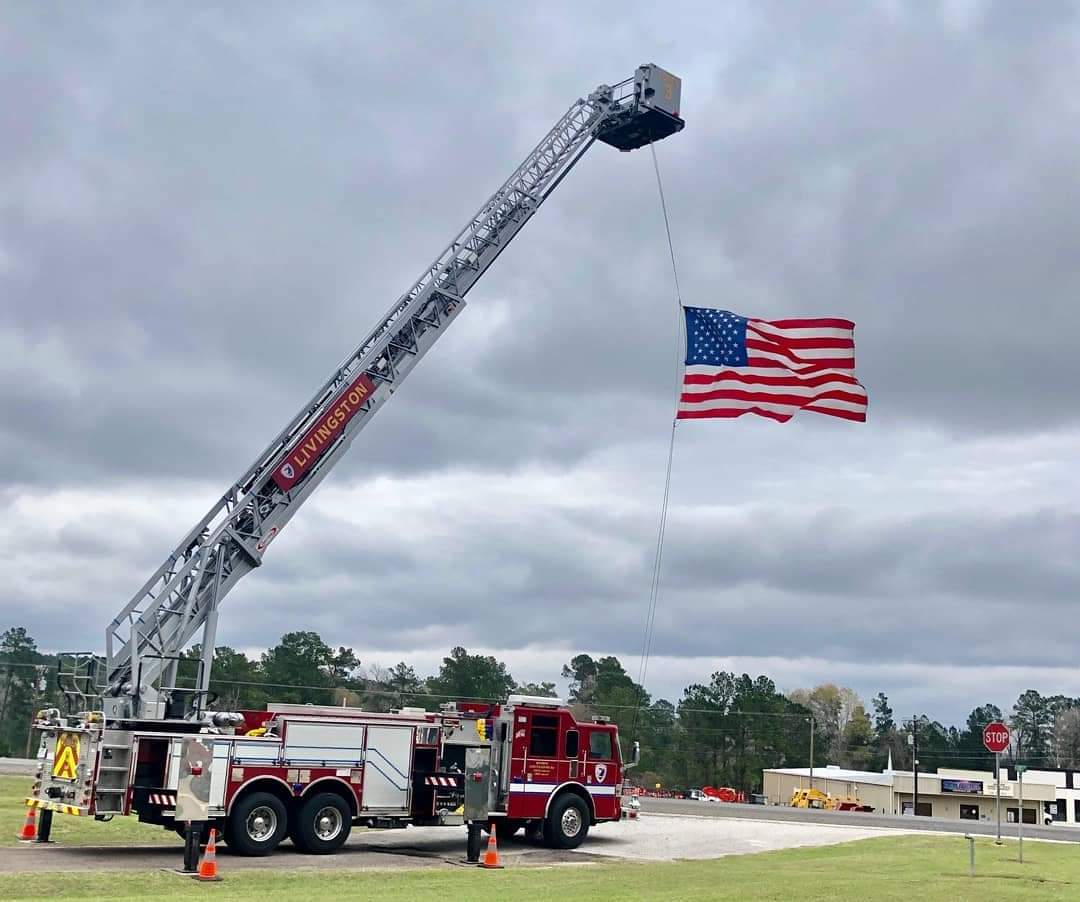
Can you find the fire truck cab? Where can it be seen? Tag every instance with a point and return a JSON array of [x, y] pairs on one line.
[[309, 773]]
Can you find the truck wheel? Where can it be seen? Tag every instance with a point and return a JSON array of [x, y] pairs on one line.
[[322, 824], [567, 822], [257, 824]]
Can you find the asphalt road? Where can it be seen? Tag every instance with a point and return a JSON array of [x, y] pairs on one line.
[[854, 819], [18, 767]]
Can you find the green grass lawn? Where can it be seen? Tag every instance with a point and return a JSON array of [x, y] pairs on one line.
[[920, 868], [85, 831], [908, 868]]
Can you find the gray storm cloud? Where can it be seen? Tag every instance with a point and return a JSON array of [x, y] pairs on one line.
[[201, 210]]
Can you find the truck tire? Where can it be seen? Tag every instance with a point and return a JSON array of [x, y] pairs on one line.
[[322, 824], [257, 824], [567, 822]]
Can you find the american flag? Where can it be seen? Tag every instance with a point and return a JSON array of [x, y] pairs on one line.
[[736, 365]]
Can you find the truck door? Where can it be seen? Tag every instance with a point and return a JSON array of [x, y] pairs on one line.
[[542, 762], [602, 771]]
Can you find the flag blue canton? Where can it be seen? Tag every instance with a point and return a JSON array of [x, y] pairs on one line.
[[715, 337]]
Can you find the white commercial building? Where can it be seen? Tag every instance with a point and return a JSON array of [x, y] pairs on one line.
[[1066, 784], [950, 793]]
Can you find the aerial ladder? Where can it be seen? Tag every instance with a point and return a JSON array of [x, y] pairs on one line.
[[145, 641]]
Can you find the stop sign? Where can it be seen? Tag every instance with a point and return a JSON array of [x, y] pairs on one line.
[[996, 736]]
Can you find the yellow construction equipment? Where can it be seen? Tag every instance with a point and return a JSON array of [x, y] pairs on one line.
[[810, 798], [815, 798]]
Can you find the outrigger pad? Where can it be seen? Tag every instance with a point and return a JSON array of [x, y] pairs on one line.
[[642, 128]]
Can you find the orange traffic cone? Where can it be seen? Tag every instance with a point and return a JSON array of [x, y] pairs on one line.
[[208, 863], [29, 828], [491, 856]]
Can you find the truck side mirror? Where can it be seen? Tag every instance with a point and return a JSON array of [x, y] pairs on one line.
[[635, 755]]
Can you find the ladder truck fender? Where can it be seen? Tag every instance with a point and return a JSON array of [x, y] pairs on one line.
[[573, 788], [270, 783], [336, 785]]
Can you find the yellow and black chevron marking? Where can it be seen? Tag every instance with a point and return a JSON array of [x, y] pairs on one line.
[[54, 806], [66, 759]]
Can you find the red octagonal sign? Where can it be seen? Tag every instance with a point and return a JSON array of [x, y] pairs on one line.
[[996, 736]]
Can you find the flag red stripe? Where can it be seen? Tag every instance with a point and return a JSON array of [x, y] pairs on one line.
[[808, 381], [786, 342], [730, 413], [773, 347], [795, 400], [825, 322], [800, 365], [859, 416]]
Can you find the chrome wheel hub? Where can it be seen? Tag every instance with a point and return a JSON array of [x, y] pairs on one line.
[[262, 823], [328, 823], [570, 822]]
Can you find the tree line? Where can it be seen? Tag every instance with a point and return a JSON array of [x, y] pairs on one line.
[[722, 732]]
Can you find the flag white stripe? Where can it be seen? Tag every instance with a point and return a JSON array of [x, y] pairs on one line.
[[772, 331]]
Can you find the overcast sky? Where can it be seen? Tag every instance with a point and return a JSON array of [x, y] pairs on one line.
[[202, 209]]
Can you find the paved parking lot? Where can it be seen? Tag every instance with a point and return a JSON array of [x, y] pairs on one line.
[[656, 837], [1057, 832]]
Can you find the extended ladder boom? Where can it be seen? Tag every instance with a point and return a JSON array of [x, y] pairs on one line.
[[144, 641]]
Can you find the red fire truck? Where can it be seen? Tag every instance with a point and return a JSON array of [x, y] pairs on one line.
[[144, 742], [309, 773]]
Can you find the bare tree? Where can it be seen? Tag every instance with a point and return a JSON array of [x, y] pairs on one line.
[[1067, 738]]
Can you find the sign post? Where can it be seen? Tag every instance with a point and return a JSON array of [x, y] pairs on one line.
[[996, 738], [1020, 768], [997, 793]]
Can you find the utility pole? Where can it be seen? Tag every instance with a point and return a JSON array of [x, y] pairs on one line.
[[915, 763], [811, 752], [37, 690]]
